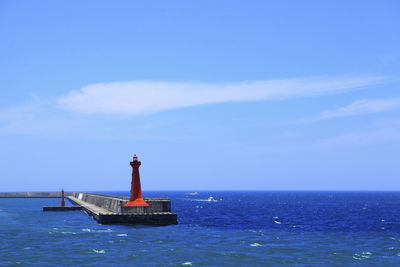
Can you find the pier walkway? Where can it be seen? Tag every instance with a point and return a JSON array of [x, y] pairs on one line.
[[90, 208]]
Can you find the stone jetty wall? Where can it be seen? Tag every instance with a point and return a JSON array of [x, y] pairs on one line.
[[115, 203], [33, 194]]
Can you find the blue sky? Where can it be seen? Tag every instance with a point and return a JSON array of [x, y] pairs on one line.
[[212, 95]]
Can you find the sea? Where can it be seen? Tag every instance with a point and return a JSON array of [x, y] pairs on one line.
[[216, 228]]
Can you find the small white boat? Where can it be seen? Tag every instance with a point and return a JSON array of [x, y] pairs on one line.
[[211, 199]]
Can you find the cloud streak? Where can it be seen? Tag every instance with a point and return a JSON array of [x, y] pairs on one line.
[[375, 136], [360, 107], [35, 119], [140, 97]]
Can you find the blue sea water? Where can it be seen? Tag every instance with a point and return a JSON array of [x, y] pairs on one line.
[[238, 229]]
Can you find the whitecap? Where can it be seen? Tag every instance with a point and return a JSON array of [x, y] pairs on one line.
[[99, 251], [192, 193], [122, 235], [362, 255], [255, 245], [187, 263], [87, 230], [277, 222], [276, 217]]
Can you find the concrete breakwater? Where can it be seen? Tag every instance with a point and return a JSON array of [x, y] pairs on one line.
[[61, 208], [111, 210], [33, 194]]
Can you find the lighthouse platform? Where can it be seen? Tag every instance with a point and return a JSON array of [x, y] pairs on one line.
[[107, 209]]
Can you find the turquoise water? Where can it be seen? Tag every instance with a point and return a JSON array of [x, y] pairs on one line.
[[238, 229]]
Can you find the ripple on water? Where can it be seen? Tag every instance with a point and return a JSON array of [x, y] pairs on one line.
[[327, 232], [3, 213], [68, 233]]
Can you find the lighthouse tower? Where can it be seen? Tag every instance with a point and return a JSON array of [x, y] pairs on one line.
[[136, 199], [62, 198]]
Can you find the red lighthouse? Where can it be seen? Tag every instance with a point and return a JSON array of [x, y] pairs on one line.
[[136, 190], [62, 198]]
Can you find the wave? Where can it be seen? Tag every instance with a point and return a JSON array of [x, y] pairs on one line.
[[99, 251], [68, 233], [209, 199], [192, 194], [97, 231]]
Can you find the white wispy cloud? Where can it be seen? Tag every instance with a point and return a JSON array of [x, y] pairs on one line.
[[140, 97], [34, 119], [389, 133], [359, 107]]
